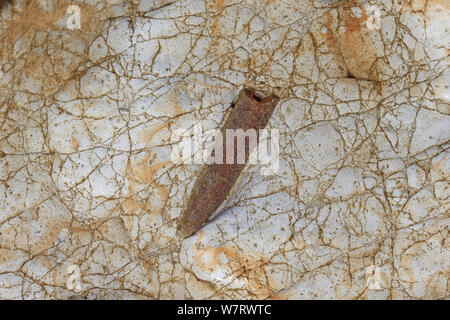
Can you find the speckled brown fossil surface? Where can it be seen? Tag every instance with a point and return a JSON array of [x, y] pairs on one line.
[[250, 111]]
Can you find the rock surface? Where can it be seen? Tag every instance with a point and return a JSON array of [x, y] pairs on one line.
[[89, 196]]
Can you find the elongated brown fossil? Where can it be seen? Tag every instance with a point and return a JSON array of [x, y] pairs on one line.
[[250, 111]]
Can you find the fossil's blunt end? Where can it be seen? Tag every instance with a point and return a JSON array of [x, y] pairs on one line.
[[259, 97]]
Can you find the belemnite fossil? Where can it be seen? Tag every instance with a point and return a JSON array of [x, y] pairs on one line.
[[251, 110]]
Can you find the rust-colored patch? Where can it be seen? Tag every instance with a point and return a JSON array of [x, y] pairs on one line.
[[175, 105], [142, 173], [241, 267], [146, 135], [351, 41], [218, 6], [261, 61], [145, 173], [49, 69], [331, 37], [75, 143], [357, 49], [438, 3], [36, 19], [353, 25]]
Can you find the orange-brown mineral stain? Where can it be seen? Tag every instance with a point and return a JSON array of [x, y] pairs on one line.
[[261, 62], [248, 268], [351, 42], [331, 37], [438, 3], [216, 180]]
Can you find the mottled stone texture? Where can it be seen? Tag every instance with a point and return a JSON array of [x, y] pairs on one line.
[[359, 208]]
